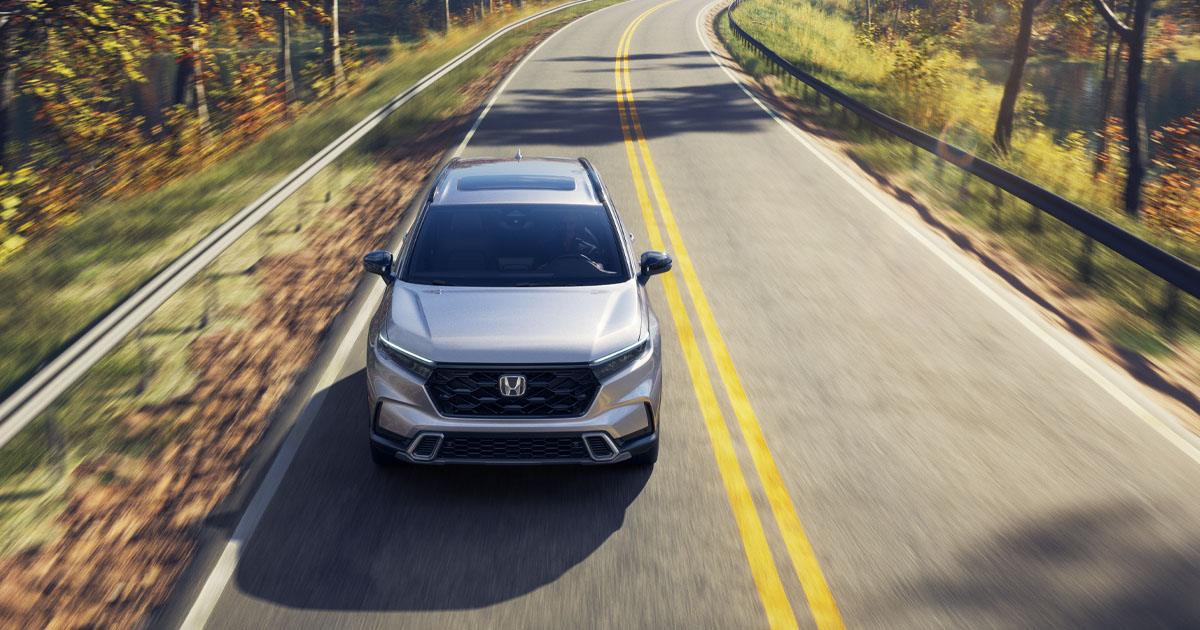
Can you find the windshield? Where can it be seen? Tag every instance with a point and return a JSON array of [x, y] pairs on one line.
[[514, 245]]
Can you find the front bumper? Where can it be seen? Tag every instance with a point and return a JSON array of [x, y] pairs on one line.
[[623, 415], [407, 450]]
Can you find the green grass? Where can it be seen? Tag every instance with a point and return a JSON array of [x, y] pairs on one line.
[[819, 38]]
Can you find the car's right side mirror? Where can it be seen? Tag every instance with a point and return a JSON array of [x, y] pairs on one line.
[[654, 263]]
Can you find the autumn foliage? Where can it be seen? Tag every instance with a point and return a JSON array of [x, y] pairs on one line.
[[1173, 197]]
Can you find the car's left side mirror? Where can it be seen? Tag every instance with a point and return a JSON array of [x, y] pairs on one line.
[[380, 264], [654, 263]]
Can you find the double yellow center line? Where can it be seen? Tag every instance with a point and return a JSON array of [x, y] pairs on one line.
[[754, 540]]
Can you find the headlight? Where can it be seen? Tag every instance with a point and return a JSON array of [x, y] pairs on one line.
[[604, 366], [418, 365]]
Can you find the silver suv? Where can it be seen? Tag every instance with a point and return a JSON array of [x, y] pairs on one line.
[[515, 328]]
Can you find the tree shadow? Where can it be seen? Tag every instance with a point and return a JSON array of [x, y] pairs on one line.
[[341, 534], [21, 495], [1134, 363], [587, 116], [1111, 567], [964, 242]]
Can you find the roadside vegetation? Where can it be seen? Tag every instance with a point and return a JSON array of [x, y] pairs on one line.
[[933, 64], [101, 497], [108, 178]]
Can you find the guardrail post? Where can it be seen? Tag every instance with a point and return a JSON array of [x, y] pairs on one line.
[[1035, 220], [1085, 260], [1171, 307], [56, 443], [997, 207], [143, 359]]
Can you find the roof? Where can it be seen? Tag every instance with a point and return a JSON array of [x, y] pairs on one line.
[[512, 180]]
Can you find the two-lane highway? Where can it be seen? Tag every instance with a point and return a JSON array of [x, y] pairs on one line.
[[860, 426]]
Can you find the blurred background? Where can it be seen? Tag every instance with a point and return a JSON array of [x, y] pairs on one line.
[[129, 129]]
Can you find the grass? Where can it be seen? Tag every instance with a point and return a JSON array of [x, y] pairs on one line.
[[56, 287], [150, 367], [959, 106]]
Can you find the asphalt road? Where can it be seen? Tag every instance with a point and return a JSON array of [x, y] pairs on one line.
[[954, 461]]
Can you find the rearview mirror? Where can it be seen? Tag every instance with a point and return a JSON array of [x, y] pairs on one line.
[[380, 264], [654, 263]]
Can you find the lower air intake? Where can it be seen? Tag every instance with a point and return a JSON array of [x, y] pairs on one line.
[[599, 446], [425, 447]]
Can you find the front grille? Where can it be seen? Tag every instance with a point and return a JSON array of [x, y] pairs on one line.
[[516, 448], [551, 392]]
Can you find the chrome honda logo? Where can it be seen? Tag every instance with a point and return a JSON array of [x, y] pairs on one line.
[[512, 385]]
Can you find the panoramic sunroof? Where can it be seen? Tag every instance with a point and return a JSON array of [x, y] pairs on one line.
[[516, 182]]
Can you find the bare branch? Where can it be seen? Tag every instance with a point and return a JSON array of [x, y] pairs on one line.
[[1114, 22]]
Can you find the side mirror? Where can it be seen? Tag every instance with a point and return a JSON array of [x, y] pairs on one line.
[[380, 264], [654, 263]]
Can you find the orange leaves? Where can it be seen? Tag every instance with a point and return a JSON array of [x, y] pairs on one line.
[[1173, 196]]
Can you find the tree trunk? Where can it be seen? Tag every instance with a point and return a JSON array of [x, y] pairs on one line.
[[331, 44], [447, 17], [1108, 84], [286, 84], [868, 3], [1107, 80], [1135, 113], [189, 68], [1002, 136], [7, 88]]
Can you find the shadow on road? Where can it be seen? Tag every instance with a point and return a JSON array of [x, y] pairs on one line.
[[341, 534], [1103, 568], [587, 116]]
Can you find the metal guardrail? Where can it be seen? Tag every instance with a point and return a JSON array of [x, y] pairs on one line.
[[1176, 271], [64, 369]]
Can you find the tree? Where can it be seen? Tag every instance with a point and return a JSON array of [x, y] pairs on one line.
[[286, 82], [106, 37], [284, 11], [331, 45], [189, 64], [1112, 59], [1136, 143], [8, 77], [1002, 136]]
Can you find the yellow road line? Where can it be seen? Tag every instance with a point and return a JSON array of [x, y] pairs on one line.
[[804, 560], [758, 553]]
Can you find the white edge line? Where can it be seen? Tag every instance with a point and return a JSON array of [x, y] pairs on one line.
[[47, 384], [222, 572], [227, 563], [1176, 435]]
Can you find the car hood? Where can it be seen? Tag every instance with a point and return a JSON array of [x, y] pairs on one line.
[[514, 325]]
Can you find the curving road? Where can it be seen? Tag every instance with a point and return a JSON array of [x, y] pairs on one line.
[[862, 428]]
